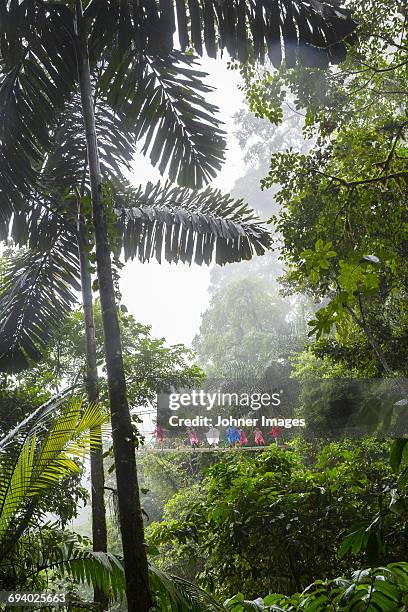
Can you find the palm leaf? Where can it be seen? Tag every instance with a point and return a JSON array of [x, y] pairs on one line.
[[35, 82], [188, 225], [98, 569], [74, 433], [38, 73], [174, 594], [15, 484], [66, 165], [164, 103], [36, 422], [105, 571], [309, 31], [44, 460], [36, 294]]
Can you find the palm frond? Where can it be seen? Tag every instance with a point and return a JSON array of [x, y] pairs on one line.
[[42, 219], [35, 82], [66, 165], [43, 461], [15, 484], [188, 225], [36, 422], [164, 103], [36, 294], [308, 31], [38, 73], [97, 569], [105, 571], [74, 433], [174, 594]]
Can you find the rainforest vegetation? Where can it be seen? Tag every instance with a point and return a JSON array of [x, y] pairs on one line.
[[308, 265]]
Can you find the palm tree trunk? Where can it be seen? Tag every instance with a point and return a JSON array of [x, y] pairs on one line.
[[99, 531], [130, 514]]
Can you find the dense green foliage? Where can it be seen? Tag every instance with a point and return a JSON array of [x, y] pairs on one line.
[[276, 521], [35, 456], [382, 588], [343, 204], [36, 554], [150, 364]]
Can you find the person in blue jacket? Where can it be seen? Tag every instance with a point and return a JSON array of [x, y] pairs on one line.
[[233, 435]]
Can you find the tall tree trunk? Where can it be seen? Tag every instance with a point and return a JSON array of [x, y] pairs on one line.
[[99, 532], [130, 514], [397, 383], [372, 340]]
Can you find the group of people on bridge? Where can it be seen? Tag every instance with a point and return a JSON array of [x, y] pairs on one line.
[[234, 436]]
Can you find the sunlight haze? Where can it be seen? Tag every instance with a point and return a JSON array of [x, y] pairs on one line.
[[171, 298]]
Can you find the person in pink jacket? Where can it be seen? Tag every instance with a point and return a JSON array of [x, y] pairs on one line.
[[160, 435], [259, 439], [242, 437], [193, 437], [275, 433]]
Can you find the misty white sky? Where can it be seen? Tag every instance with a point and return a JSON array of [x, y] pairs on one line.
[[172, 297]]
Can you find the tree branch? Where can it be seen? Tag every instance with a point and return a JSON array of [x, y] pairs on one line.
[[350, 184]]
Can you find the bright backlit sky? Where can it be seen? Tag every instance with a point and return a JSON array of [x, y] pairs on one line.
[[172, 297]]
